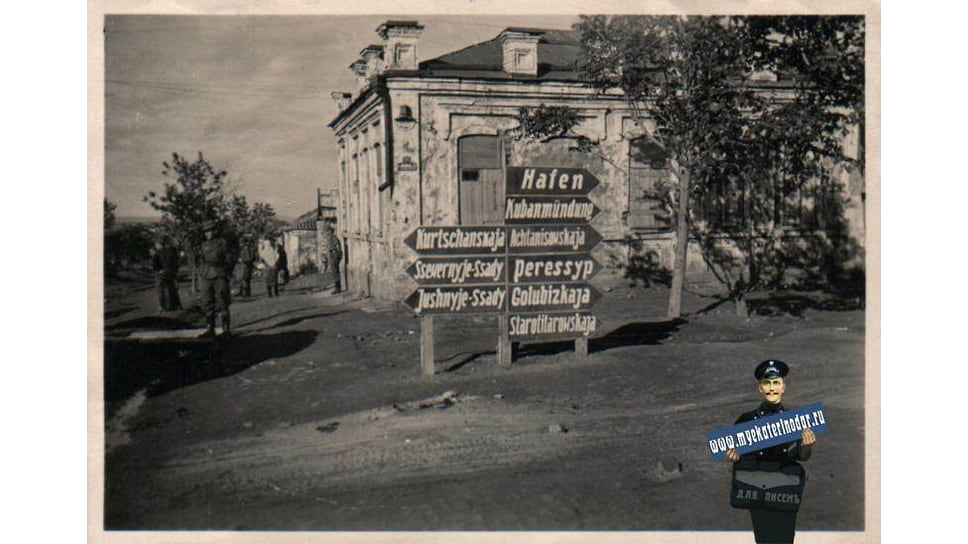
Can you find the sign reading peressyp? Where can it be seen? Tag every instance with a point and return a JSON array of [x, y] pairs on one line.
[[767, 431], [545, 268]]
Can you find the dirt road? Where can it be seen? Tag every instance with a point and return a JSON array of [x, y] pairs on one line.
[[320, 419]]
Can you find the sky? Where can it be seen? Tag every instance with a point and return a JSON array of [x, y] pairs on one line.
[[252, 93]]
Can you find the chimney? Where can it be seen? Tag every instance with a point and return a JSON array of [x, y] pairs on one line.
[[342, 99], [400, 44], [359, 68], [520, 48], [373, 56]]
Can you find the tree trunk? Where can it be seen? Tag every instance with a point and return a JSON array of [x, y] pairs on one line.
[[742, 311], [682, 241]]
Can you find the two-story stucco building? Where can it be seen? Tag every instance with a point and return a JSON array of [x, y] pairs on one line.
[[421, 144]]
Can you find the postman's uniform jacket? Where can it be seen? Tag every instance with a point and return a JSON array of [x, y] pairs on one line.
[[772, 525]]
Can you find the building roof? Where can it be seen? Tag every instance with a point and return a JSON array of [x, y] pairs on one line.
[[557, 51]]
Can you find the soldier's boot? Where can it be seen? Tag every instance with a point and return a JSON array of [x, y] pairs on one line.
[[210, 329], [225, 325]]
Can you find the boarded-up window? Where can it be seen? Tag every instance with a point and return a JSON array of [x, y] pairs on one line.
[[481, 182], [647, 172]]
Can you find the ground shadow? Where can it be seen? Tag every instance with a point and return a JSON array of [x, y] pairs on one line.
[[795, 304], [646, 333], [296, 320], [164, 366]]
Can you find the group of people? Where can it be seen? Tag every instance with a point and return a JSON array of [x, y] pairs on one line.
[[222, 263]]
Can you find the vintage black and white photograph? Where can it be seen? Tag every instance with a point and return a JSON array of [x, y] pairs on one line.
[[488, 270]]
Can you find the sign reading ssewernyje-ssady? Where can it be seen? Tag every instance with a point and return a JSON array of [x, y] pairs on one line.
[[459, 270]]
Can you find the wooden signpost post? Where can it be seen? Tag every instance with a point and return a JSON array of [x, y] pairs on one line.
[[532, 272]]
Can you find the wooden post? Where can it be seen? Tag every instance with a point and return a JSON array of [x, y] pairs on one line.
[[504, 348], [581, 346], [427, 345]]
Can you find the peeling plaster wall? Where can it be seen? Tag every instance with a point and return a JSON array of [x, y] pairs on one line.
[[422, 122]]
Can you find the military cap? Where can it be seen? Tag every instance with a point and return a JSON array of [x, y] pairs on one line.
[[208, 225], [771, 368]]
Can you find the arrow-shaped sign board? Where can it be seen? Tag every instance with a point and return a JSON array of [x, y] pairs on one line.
[[552, 239], [548, 210], [549, 326], [549, 181], [443, 241], [550, 268], [549, 297], [459, 270], [458, 300]]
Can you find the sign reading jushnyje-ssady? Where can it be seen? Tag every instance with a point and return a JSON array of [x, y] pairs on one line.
[[767, 431], [458, 300]]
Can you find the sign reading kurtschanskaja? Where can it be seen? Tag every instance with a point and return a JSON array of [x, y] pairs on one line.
[[444, 241]]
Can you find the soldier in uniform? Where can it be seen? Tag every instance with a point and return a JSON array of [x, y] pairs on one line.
[[164, 262], [772, 526], [247, 259], [216, 267], [334, 254]]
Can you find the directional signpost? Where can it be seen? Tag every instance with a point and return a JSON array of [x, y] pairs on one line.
[[549, 254], [532, 272]]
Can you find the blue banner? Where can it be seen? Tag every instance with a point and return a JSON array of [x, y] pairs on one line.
[[767, 431]]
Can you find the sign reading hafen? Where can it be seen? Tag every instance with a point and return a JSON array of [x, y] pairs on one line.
[[549, 181]]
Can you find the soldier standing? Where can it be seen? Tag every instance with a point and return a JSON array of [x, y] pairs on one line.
[[217, 264], [247, 259], [334, 254]]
